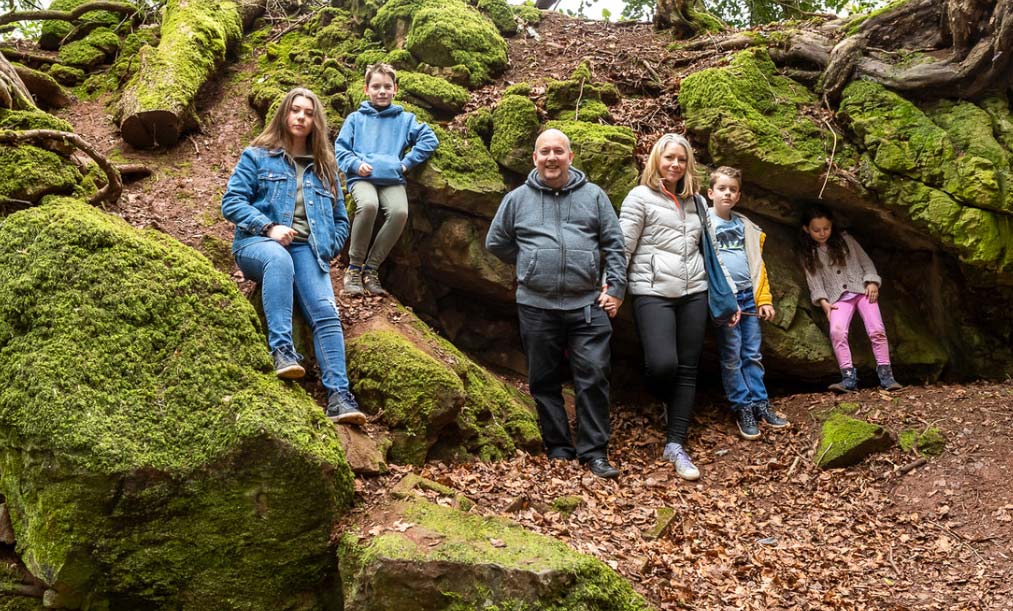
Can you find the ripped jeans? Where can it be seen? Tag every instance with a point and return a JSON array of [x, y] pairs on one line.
[[293, 272]]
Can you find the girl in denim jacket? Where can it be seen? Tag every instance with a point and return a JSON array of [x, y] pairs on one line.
[[291, 221]]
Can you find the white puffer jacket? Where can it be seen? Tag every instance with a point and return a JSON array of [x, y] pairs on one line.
[[663, 251]]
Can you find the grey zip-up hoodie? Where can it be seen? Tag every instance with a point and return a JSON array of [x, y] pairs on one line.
[[559, 239]]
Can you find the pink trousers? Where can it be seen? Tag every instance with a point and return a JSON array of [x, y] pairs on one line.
[[840, 321]]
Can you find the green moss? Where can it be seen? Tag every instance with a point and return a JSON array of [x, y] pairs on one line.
[[432, 91], [66, 75], [527, 12], [125, 64], [143, 430], [500, 13], [604, 153], [462, 174], [998, 108], [521, 89], [752, 118], [55, 33], [567, 580], [21, 120], [845, 441], [479, 122], [591, 111], [567, 504], [930, 442], [580, 88], [28, 173], [515, 127], [854, 25], [82, 54], [448, 33]]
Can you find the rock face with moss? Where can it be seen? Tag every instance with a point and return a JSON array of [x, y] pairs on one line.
[[157, 105], [149, 458], [920, 186], [450, 560], [437, 402], [604, 153], [514, 129]]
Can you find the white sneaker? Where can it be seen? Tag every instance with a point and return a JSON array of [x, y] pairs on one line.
[[684, 467]]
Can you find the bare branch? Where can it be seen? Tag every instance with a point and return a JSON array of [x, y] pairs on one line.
[[87, 7]]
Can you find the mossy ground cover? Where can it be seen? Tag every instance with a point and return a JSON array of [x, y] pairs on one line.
[[148, 454], [491, 562]]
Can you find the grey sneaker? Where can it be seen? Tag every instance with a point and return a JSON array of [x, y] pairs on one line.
[[746, 420], [343, 409], [371, 282], [286, 363], [684, 467], [353, 282]]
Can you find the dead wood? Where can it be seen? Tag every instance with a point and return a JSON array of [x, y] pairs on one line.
[[46, 91]]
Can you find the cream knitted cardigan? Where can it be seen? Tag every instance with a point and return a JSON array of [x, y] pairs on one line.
[[830, 281]]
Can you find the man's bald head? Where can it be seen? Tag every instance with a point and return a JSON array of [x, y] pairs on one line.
[[552, 158]]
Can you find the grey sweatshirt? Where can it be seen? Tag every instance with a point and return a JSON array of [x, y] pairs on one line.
[[560, 240]]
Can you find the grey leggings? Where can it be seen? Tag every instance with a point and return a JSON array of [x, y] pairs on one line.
[[368, 198]]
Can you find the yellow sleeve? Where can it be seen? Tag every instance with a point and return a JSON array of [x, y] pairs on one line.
[[761, 292]]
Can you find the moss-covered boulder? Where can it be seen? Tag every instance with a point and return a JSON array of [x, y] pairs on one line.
[[930, 441], [149, 457], [54, 33], [437, 402], [604, 153], [90, 51], [432, 92], [462, 175], [450, 560], [752, 118], [846, 441], [562, 98], [446, 34], [500, 13], [514, 129]]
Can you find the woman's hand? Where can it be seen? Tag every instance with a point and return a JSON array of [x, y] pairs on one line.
[[282, 234], [608, 303], [766, 312], [872, 292], [827, 307], [365, 169]]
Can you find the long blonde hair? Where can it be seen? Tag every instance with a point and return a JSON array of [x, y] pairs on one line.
[[276, 135], [651, 176]]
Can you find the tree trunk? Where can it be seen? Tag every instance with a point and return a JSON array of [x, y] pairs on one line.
[[686, 18], [14, 95], [157, 105], [961, 48]]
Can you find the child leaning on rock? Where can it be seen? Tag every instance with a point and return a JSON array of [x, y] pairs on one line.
[[739, 244], [378, 144]]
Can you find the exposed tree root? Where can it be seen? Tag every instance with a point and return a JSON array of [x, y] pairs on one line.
[[87, 7], [109, 193]]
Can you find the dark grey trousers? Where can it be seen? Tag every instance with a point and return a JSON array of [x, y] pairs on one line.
[[583, 334]]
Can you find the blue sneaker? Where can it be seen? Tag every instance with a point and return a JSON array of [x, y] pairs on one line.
[[343, 409], [286, 363]]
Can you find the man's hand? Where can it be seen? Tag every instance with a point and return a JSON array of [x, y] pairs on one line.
[[827, 307], [766, 312], [282, 234], [872, 292], [365, 169], [609, 304]]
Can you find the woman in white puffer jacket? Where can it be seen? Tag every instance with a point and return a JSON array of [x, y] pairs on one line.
[[661, 224]]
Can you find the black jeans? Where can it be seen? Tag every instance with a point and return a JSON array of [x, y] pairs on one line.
[[584, 333], [671, 332]]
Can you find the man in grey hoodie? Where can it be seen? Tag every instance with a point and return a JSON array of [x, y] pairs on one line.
[[562, 233]]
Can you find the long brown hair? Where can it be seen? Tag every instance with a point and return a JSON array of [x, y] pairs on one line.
[[837, 248], [276, 135], [651, 176]]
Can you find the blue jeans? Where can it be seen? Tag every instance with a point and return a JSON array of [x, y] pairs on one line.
[[741, 369], [293, 272]]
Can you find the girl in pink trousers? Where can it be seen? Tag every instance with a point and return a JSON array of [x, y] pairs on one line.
[[842, 279]]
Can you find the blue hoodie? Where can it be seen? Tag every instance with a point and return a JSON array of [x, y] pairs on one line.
[[380, 138]]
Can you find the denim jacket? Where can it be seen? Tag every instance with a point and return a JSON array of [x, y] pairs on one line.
[[262, 190]]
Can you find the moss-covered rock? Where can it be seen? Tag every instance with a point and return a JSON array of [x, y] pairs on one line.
[[580, 88], [592, 111], [66, 75], [500, 13], [515, 127], [444, 33], [457, 254], [846, 441], [54, 33], [94, 49], [462, 174], [752, 118], [149, 457], [527, 12], [930, 441], [432, 92], [436, 400], [125, 65], [29, 173], [479, 123], [605, 153], [451, 560]]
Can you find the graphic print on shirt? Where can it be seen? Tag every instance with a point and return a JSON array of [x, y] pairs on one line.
[[730, 236]]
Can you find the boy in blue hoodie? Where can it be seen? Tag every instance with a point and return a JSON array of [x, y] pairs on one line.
[[378, 144]]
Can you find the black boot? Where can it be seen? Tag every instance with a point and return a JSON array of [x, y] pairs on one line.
[[849, 381], [886, 380]]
